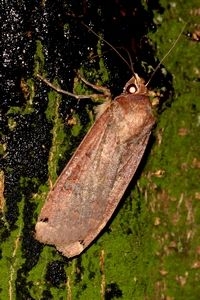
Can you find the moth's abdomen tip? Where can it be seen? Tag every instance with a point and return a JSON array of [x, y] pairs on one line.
[[71, 250], [47, 235]]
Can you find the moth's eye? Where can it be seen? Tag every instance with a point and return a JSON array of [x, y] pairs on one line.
[[132, 89]]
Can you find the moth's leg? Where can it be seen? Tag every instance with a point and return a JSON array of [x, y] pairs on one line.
[[105, 91]]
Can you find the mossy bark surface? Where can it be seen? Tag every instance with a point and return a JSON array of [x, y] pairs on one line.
[[151, 247]]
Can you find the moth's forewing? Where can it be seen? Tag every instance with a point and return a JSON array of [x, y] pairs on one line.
[[93, 182]]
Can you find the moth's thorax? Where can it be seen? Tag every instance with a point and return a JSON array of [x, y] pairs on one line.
[[133, 113]]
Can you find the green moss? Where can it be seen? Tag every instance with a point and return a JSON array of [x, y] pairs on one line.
[[173, 195], [39, 58], [59, 141], [12, 258], [28, 90], [12, 124], [103, 72], [77, 127]]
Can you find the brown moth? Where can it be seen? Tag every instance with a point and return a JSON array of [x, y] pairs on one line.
[[91, 185]]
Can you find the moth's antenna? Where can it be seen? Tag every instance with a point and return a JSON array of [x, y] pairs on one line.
[[101, 38], [174, 44], [130, 59]]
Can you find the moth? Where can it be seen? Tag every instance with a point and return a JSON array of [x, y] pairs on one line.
[[91, 185]]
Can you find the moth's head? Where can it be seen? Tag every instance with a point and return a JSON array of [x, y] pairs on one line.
[[135, 86]]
